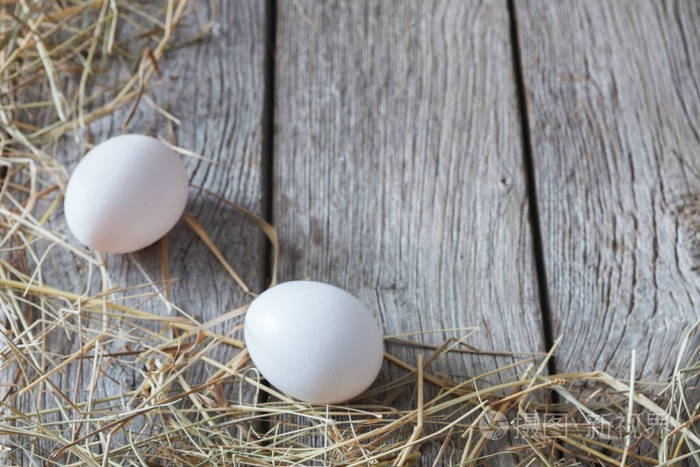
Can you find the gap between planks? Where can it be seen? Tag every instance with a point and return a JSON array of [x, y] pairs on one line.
[[531, 186]]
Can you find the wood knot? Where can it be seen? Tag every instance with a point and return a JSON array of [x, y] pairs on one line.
[[687, 212]]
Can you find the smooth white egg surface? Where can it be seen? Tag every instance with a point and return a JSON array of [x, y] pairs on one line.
[[314, 341], [125, 194]]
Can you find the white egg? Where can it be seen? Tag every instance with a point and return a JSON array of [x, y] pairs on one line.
[[313, 341], [125, 194]]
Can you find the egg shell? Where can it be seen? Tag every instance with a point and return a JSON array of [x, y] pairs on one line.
[[314, 341], [125, 194]]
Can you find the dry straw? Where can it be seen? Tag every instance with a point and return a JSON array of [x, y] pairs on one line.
[[69, 404]]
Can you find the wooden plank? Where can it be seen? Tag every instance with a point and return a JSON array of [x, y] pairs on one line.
[[398, 169], [614, 114], [216, 88]]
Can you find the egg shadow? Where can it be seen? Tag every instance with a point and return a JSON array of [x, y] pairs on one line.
[[201, 284]]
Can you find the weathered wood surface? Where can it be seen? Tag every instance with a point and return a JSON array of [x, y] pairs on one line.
[[613, 104], [216, 88], [398, 169]]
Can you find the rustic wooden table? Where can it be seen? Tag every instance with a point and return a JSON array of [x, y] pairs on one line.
[[528, 167], [531, 168]]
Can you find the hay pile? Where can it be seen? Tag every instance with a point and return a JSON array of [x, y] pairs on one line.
[[58, 404]]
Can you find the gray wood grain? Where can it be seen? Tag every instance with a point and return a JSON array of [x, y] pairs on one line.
[[614, 111], [398, 169], [216, 88]]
